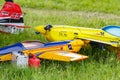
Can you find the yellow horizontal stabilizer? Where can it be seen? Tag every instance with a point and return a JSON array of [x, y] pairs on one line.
[[62, 56]]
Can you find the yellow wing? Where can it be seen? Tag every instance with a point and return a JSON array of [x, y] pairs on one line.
[[62, 56]]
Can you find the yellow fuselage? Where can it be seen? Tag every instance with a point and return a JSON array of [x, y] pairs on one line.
[[58, 33]]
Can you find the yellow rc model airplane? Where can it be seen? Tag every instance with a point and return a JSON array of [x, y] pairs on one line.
[[109, 35], [61, 51]]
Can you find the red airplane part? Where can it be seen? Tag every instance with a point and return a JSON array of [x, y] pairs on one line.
[[11, 18], [11, 10]]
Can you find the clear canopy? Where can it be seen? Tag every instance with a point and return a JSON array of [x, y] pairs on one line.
[[113, 30], [32, 44]]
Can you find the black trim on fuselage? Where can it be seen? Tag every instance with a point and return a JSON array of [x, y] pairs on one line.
[[9, 20]]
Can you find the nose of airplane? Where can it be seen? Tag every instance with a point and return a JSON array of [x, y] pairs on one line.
[[40, 29]]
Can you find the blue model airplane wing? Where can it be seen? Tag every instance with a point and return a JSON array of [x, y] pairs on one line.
[[9, 49]]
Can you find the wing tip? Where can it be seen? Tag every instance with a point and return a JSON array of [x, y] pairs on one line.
[[80, 59]]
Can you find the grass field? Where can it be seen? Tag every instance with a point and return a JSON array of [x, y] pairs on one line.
[[101, 65]]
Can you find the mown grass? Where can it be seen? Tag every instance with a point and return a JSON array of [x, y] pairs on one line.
[[101, 65], [107, 6], [85, 70]]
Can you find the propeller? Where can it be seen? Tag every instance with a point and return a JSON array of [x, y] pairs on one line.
[[48, 27]]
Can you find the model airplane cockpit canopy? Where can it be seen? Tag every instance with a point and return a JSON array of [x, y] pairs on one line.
[[113, 30]]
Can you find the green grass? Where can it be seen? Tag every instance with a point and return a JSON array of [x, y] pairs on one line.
[[85, 70], [107, 6], [86, 13]]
